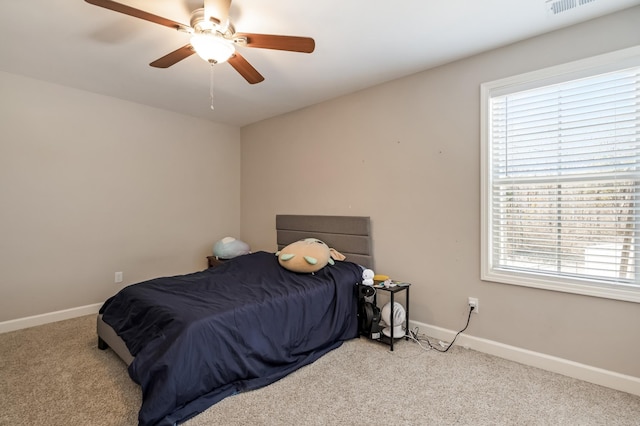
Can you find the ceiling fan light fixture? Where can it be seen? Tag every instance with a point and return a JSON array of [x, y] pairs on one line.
[[212, 48]]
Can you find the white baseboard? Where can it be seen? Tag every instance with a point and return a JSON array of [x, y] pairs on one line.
[[32, 321], [599, 376]]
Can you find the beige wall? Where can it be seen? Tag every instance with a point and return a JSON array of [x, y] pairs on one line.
[[91, 185], [407, 153]]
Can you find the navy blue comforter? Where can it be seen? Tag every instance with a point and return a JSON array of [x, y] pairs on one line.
[[201, 337]]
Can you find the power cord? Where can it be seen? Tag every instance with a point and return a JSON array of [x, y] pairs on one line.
[[413, 334]]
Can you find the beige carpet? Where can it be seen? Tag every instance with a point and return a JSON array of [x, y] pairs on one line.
[[55, 375]]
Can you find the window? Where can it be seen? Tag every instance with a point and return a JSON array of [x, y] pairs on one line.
[[561, 178]]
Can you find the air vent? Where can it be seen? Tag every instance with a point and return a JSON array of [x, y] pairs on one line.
[[558, 6], [562, 6]]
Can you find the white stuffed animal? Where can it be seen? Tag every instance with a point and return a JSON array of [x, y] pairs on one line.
[[367, 277]]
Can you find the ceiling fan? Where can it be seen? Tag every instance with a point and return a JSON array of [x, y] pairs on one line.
[[214, 38]]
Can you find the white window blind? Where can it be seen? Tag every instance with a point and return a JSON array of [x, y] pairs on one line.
[[563, 182]]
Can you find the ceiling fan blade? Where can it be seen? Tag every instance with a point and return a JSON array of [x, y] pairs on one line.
[[279, 42], [174, 57], [217, 9], [245, 69], [137, 13]]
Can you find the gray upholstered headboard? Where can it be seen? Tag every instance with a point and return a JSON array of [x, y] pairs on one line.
[[350, 235]]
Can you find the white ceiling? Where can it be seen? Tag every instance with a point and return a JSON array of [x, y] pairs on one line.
[[359, 43]]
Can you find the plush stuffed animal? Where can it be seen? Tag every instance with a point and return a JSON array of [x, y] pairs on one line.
[[367, 277], [308, 255], [229, 247]]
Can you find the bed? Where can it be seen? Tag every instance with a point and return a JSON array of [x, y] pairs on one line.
[[192, 340]]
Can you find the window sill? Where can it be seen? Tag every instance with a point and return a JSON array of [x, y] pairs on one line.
[[575, 286]]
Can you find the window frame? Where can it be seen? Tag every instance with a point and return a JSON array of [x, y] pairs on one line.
[[613, 61]]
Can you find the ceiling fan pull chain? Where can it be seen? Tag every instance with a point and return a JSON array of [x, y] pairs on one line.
[[211, 86]]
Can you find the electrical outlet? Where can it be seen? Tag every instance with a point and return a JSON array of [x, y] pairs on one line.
[[475, 304], [118, 277]]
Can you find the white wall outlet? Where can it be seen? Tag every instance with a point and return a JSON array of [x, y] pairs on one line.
[[118, 278], [475, 304]]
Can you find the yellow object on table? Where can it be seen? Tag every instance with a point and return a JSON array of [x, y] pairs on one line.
[[379, 279]]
